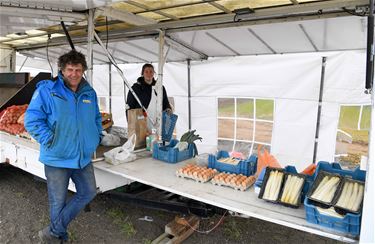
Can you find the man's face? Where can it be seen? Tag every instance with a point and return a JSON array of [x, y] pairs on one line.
[[73, 74], [148, 74]]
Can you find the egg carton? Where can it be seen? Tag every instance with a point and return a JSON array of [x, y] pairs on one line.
[[194, 172], [233, 185], [200, 180]]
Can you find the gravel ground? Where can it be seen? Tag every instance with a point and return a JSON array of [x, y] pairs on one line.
[[24, 211]]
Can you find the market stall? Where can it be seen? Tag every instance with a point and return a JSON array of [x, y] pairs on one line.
[[192, 38]]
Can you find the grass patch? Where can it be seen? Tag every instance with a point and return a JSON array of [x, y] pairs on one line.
[[72, 236], [127, 228], [360, 136], [122, 221], [146, 241], [231, 230]]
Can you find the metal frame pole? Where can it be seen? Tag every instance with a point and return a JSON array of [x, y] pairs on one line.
[[189, 92], [110, 86], [368, 213], [159, 83], [90, 38], [324, 62]]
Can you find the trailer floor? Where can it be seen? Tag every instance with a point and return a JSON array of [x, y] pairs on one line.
[[24, 211]]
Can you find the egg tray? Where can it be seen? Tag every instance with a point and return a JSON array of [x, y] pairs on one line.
[[193, 178], [231, 184], [191, 173]]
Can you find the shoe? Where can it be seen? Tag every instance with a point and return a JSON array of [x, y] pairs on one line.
[[46, 237]]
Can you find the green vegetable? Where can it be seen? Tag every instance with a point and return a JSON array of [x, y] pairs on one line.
[[190, 137]]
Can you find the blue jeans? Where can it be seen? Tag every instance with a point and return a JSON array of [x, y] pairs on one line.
[[62, 210]]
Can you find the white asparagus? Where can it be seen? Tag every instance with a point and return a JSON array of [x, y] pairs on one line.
[[328, 190], [274, 184], [286, 188], [292, 186], [358, 201], [278, 188], [268, 185], [297, 190], [329, 196], [320, 187], [353, 197], [348, 194], [343, 194]]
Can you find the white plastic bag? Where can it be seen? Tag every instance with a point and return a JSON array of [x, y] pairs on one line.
[[110, 140], [122, 154]]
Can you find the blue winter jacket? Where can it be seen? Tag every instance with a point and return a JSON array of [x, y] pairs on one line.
[[66, 124]]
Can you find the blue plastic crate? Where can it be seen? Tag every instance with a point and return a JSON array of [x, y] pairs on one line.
[[246, 167], [170, 154], [351, 223], [355, 174], [168, 124]]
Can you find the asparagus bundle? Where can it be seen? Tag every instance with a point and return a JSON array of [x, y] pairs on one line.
[[292, 188], [326, 189], [351, 196], [273, 185]]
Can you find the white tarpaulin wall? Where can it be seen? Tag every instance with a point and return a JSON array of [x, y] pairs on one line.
[[293, 80]]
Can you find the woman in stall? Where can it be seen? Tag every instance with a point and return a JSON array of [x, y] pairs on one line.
[[146, 92]]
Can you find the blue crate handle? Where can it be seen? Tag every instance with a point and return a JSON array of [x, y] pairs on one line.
[[168, 125]]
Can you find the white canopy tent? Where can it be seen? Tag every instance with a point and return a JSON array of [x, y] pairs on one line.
[[262, 59]]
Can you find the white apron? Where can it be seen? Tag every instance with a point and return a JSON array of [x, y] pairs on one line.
[[152, 110]]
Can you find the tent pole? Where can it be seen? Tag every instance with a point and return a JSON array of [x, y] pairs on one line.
[[324, 61], [368, 213], [189, 92], [90, 37], [110, 87], [159, 83]]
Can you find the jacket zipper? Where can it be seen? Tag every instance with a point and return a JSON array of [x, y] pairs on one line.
[[54, 94]]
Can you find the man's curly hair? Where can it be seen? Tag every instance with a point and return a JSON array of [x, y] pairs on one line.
[[72, 57]]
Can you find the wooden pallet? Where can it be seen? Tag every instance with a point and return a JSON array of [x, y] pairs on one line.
[[178, 230]]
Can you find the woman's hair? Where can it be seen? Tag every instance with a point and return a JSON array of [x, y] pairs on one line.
[[72, 57], [147, 66]]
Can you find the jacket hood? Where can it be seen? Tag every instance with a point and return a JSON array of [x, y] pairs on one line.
[[142, 81]]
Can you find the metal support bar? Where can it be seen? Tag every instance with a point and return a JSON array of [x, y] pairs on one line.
[[90, 38], [185, 48], [308, 37], [222, 43], [159, 83], [368, 213], [145, 7], [163, 200], [110, 86], [67, 35], [370, 47], [127, 17], [324, 62], [113, 61], [189, 91], [218, 6], [23, 63], [39, 13], [261, 40]]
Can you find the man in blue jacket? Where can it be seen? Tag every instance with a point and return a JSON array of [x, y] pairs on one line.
[[63, 116]]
